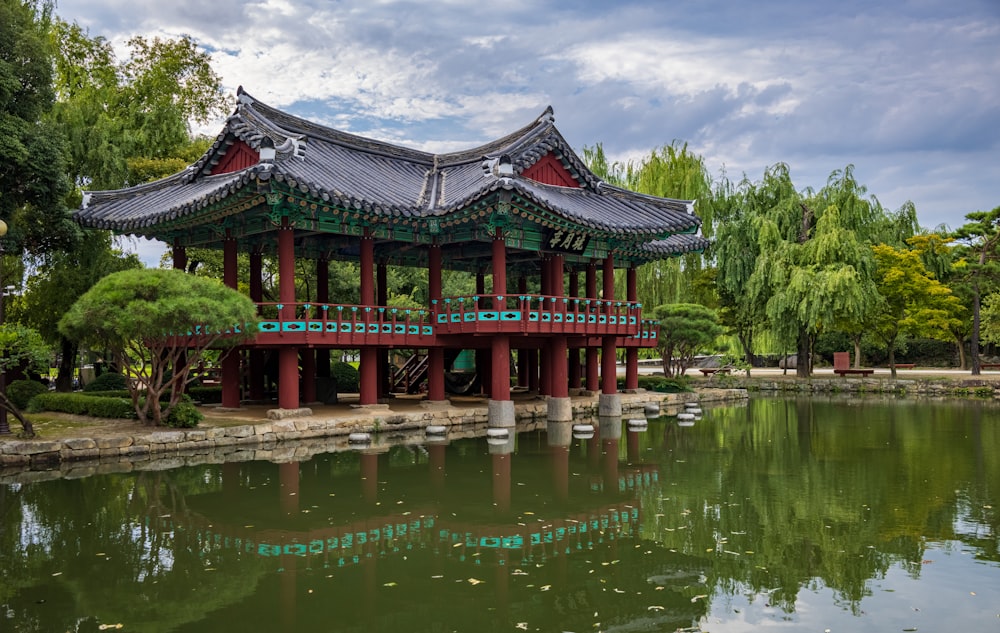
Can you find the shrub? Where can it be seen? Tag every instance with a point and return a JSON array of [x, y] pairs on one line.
[[80, 404], [660, 384], [21, 391], [183, 416], [346, 377], [205, 395], [108, 381]]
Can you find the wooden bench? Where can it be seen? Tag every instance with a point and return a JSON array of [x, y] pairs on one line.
[[989, 365], [905, 365], [842, 366], [708, 371]]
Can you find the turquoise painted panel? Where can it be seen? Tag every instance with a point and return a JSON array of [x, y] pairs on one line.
[[293, 326], [602, 318], [428, 330], [268, 326], [399, 329], [591, 318], [359, 328], [456, 318], [470, 317], [510, 316], [532, 316], [546, 317], [489, 316], [413, 329], [345, 327], [558, 317], [442, 318], [315, 326]]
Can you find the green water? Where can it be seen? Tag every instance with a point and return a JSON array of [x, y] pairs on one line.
[[813, 515]]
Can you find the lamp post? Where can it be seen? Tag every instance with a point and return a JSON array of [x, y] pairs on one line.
[[4, 425]]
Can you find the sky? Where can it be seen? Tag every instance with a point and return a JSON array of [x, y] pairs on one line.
[[908, 92]]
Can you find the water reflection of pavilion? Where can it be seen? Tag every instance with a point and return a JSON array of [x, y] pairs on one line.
[[443, 512]]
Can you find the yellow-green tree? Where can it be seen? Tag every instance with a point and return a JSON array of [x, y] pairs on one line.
[[911, 301]]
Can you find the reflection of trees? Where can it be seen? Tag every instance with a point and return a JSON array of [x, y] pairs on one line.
[[108, 550], [782, 494]]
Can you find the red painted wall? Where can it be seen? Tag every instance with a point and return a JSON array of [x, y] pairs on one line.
[[238, 156], [549, 170]]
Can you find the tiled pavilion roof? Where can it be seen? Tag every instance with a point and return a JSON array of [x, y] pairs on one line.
[[390, 184]]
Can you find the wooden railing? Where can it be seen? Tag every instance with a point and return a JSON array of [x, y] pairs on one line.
[[347, 325]]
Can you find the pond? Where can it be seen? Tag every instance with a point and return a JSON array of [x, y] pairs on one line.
[[812, 515]]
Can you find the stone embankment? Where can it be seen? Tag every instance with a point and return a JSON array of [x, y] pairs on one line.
[[289, 439], [926, 387]]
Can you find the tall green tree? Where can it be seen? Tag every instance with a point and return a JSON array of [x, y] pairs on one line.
[[58, 281], [981, 237], [144, 318], [126, 121], [672, 171], [33, 183]]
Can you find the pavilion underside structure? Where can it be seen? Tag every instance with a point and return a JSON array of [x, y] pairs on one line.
[[521, 211]]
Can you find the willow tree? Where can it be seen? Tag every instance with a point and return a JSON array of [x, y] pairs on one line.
[[735, 254], [672, 171], [157, 324]]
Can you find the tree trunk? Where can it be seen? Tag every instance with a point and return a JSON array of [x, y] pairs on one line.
[[67, 364], [857, 351], [974, 346], [892, 361], [802, 364], [27, 430], [961, 354]]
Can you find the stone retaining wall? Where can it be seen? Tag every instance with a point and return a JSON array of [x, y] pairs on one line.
[[930, 387], [290, 439]]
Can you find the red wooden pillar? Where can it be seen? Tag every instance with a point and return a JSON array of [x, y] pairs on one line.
[[523, 354], [180, 257], [369, 354], [593, 383], [256, 356], [231, 377], [574, 353], [631, 353], [544, 362], [609, 361], [435, 355], [558, 347], [288, 357], [500, 344], [323, 298], [382, 298]]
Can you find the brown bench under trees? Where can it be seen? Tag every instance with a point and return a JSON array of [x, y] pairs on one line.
[[842, 366]]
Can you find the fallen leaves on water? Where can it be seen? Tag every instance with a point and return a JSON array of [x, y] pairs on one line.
[[699, 597], [475, 581], [106, 627]]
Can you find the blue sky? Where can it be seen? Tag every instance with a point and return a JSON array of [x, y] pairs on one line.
[[906, 91]]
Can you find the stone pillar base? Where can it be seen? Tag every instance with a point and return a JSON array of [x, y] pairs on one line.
[[378, 406], [609, 404], [560, 410], [501, 413], [281, 414], [435, 404]]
